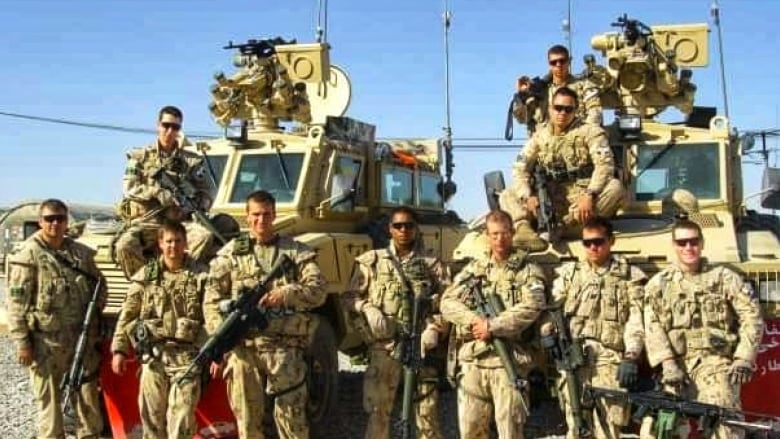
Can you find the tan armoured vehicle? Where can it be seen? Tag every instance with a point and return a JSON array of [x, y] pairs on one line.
[[334, 183], [692, 168]]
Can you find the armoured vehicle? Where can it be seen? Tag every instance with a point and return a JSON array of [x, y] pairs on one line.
[[692, 168], [334, 183]]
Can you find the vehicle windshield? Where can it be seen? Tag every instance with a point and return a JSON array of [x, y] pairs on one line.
[[277, 174], [694, 167]]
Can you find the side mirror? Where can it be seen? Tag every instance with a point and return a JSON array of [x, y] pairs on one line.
[[494, 184], [770, 188]]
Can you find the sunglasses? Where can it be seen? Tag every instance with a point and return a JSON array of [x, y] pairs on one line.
[[558, 62], [399, 226], [568, 109], [594, 242], [57, 217], [171, 126], [693, 242]]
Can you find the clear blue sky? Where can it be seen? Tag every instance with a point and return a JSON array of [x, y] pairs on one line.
[[118, 61]]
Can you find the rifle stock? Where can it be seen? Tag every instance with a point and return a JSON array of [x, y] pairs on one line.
[[546, 213], [411, 359]]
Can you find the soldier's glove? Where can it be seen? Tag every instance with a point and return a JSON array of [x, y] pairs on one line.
[[740, 372], [379, 324], [628, 373], [164, 196], [672, 374], [429, 339]]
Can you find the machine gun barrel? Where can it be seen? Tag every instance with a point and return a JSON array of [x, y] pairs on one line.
[[411, 359]]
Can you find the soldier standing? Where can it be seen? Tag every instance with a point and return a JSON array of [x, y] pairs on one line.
[[602, 304], [145, 203], [379, 292], [51, 282], [579, 166], [272, 358], [165, 298], [703, 327], [534, 96], [484, 391]]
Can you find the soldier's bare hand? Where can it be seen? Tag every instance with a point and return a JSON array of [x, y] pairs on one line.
[[24, 356], [119, 363], [585, 208], [215, 369], [532, 204], [274, 299], [480, 329]]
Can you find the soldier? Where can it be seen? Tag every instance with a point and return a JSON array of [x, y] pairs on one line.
[[484, 391], [533, 96], [703, 326], [51, 282], [602, 303], [274, 357], [145, 203], [579, 166], [165, 299], [378, 291]]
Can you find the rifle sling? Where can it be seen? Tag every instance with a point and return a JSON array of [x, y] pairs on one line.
[[400, 271], [65, 261]]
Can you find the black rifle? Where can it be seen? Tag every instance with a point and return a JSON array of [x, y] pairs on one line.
[[185, 203], [75, 377], [568, 356], [666, 405], [488, 307], [411, 359], [546, 214], [242, 314]]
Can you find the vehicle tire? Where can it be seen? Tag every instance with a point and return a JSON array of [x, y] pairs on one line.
[[323, 375]]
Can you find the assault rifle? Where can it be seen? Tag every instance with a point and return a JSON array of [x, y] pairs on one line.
[[411, 359], [666, 406], [185, 202], [75, 377], [241, 315], [489, 306], [546, 214]]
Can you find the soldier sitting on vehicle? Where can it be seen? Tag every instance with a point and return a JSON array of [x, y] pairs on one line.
[[146, 203]]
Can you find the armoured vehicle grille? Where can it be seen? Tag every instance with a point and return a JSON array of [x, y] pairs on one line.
[[117, 287], [767, 287], [705, 220]]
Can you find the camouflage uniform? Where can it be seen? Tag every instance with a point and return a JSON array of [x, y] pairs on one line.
[[603, 308], [169, 305], [533, 111], [376, 283], [703, 321], [578, 161], [483, 385], [273, 357], [47, 302], [145, 204]]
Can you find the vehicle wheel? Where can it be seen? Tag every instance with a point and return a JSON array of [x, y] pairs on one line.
[[323, 375]]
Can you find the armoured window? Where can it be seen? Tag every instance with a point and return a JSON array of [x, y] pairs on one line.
[[218, 163], [277, 174], [694, 167], [344, 185], [397, 186], [428, 191]]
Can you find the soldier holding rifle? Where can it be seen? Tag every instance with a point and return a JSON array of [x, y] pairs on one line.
[[387, 286], [51, 282], [489, 386]]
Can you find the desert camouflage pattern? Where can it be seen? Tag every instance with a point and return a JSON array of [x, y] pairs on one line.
[[589, 108], [484, 391], [704, 321], [603, 308], [169, 305], [376, 283], [46, 304], [268, 363]]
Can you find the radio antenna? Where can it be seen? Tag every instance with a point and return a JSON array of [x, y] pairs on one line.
[[715, 12], [447, 190]]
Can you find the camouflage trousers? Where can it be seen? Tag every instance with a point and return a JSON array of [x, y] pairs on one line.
[[380, 386], [167, 408], [53, 353], [709, 383], [141, 238], [283, 374], [485, 393], [600, 370]]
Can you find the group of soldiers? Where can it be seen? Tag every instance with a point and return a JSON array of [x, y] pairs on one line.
[[699, 324]]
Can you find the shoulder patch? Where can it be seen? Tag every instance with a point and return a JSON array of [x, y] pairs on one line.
[[242, 244], [368, 258]]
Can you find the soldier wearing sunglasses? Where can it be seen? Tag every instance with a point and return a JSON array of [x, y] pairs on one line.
[[378, 293], [703, 326], [533, 96], [602, 298], [145, 204], [579, 167]]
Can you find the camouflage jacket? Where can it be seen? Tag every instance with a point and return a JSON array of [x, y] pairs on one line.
[[691, 315], [536, 110], [168, 303], [603, 303], [244, 258], [519, 285], [46, 296]]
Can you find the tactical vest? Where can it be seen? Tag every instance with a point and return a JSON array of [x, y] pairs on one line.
[[387, 291], [566, 155], [171, 302]]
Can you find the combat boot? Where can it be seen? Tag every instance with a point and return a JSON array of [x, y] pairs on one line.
[[527, 239]]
